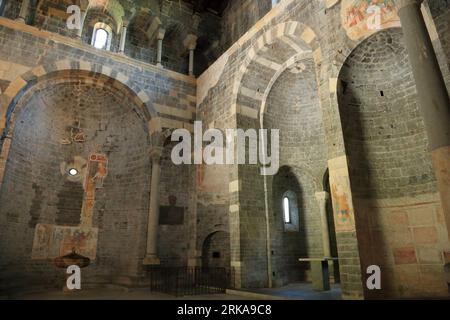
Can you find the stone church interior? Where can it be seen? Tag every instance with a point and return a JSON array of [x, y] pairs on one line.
[[92, 205]]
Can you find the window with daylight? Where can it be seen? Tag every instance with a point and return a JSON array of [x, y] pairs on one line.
[[275, 2], [101, 38], [286, 210], [290, 212]]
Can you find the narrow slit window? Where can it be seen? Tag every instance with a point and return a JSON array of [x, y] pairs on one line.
[[286, 210]]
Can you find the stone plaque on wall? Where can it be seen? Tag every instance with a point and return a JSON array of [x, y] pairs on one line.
[[171, 215]]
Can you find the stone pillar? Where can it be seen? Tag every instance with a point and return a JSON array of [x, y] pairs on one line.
[[151, 257], [123, 37], [160, 37], [191, 43], [322, 199], [191, 61], [24, 10], [433, 96]]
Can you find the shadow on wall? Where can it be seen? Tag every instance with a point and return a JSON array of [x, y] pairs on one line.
[[390, 170]]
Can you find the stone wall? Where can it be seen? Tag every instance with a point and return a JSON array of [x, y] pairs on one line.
[[38, 190], [293, 107], [239, 17], [120, 104], [387, 147], [234, 90]]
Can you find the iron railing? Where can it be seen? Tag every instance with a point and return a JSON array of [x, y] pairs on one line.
[[188, 281]]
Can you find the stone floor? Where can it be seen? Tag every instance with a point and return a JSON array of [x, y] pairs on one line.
[[300, 291], [303, 291]]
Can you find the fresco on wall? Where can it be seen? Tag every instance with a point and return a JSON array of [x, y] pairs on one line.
[[52, 241], [96, 172], [341, 195], [360, 17]]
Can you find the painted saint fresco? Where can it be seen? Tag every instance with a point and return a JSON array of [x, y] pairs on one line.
[[52, 241], [341, 195], [96, 173], [361, 18]]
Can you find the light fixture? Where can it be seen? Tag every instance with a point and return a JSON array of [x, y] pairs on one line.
[[73, 172]]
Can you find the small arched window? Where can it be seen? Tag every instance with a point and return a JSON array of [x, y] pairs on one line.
[[286, 210], [290, 212], [101, 38]]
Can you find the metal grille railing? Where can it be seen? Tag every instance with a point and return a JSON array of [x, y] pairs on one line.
[[188, 281]]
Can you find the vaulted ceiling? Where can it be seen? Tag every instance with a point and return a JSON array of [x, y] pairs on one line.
[[214, 6]]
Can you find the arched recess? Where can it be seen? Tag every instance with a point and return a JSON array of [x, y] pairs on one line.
[[216, 251], [281, 47], [110, 13], [289, 242], [65, 69], [393, 186], [93, 123], [293, 107]]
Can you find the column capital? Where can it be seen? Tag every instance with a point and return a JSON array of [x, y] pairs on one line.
[[156, 153], [160, 34], [404, 3], [190, 42]]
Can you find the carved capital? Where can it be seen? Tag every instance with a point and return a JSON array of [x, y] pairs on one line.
[[161, 33], [190, 42], [156, 153]]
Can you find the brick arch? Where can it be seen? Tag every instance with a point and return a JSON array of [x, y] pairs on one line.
[[351, 46], [112, 8], [257, 75], [308, 172], [66, 69]]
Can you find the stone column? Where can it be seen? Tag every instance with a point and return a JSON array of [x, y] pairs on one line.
[[433, 96], [160, 37], [24, 9], [191, 43], [191, 61], [123, 37], [151, 257], [322, 199]]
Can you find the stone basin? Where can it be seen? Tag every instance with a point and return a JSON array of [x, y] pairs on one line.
[[72, 259]]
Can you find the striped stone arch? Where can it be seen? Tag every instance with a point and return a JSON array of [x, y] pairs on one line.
[[65, 70], [272, 53]]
